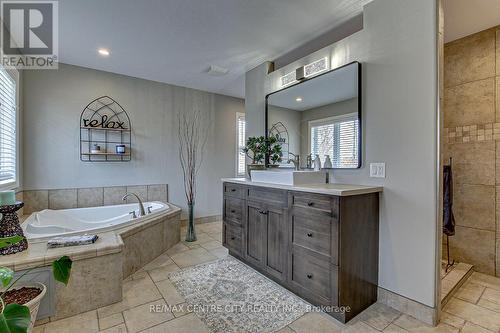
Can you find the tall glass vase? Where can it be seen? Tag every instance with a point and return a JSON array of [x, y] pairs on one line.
[[190, 233]]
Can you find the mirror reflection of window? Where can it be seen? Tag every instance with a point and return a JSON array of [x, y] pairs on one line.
[[337, 138]]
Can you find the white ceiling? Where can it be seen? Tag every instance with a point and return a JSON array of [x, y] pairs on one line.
[[333, 87], [175, 41], [465, 17]]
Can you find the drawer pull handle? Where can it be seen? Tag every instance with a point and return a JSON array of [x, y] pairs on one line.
[[309, 276], [309, 234], [233, 190], [233, 211], [310, 204]]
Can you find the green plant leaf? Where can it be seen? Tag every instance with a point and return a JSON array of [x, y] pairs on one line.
[[15, 318], [8, 241], [6, 275], [61, 269]]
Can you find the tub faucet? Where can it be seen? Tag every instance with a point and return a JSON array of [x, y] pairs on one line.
[[142, 212]]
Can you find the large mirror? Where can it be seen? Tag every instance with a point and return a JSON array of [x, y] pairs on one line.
[[319, 117]]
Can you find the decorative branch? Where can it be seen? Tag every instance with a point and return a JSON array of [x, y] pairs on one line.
[[192, 131]]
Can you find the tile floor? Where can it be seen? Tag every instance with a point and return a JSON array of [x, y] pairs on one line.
[[474, 308]]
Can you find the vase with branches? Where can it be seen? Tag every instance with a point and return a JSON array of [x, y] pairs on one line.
[[192, 131]]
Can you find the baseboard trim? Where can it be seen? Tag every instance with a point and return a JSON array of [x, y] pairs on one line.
[[201, 220], [408, 306]]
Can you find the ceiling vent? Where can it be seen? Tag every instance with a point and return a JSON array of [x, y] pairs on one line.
[[217, 70]]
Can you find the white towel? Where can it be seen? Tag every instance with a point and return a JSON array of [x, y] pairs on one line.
[[71, 241]]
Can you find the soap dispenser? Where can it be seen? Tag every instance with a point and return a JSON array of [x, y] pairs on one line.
[[328, 162], [317, 163]]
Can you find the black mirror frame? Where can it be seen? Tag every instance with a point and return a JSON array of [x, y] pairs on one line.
[[360, 124]]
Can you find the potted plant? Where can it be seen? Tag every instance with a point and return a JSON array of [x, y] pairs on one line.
[[19, 306], [274, 151], [255, 149]]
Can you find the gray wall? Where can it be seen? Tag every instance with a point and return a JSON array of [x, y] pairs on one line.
[[397, 47], [54, 99]]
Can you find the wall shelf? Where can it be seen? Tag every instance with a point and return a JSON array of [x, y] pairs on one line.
[[103, 122]]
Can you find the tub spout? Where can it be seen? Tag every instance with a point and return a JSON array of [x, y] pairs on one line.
[[142, 212]]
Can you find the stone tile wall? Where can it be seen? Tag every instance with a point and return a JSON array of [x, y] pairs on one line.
[[36, 200], [471, 138]]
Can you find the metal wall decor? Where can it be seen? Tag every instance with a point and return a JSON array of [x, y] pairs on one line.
[[105, 132], [279, 129]]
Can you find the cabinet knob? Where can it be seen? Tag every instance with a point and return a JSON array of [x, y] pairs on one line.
[[233, 238], [310, 204], [233, 211], [309, 276], [309, 234], [233, 190], [263, 212]]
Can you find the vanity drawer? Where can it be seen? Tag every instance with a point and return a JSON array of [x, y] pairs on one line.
[[233, 209], [269, 195], [232, 236], [234, 190], [315, 276], [315, 202], [316, 233]]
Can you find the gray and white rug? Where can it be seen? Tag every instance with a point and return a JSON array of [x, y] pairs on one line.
[[232, 297]]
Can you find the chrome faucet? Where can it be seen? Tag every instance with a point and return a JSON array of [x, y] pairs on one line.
[[142, 212], [295, 161]]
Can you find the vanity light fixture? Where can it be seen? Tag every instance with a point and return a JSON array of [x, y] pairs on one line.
[[288, 79], [316, 67], [103, 52], [299, 99]]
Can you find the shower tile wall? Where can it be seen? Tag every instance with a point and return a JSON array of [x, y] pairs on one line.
[[472, 138]]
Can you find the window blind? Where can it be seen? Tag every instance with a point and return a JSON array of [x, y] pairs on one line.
[[240, 139], [336, 137], [8, 129]]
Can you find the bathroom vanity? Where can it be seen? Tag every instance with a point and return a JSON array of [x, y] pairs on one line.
[[319, 241]]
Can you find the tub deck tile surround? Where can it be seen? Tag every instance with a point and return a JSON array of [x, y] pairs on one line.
[[99, 268], [463, 316]]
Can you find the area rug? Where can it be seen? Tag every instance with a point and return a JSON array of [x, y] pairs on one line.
[[232, 297]]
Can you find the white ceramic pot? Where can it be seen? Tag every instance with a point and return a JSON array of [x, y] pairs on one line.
[[34, 304]]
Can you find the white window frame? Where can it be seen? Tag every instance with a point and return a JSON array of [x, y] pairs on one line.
[[238, 174], [328, 121], [14, 74]]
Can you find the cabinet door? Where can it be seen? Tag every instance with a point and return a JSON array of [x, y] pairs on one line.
[[276, 243], [255, 233]]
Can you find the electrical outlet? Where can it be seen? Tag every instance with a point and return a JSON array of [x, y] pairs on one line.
[[377, 170]]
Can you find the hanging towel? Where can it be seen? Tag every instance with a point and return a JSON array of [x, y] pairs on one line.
[[448, 218]]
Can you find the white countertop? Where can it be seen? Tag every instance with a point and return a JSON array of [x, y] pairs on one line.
[[342, 190]]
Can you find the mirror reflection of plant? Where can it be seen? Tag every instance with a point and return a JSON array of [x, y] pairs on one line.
[[274, 149], [16, 318]]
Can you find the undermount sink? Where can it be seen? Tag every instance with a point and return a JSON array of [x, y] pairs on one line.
[[289, 177]]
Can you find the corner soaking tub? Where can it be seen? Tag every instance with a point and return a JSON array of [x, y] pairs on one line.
[[77, 221]]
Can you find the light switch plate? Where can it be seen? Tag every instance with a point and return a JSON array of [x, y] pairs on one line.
[[377, 170]]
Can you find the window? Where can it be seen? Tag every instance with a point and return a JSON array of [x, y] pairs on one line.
[[338, 138], [240, 144], [8, 129]]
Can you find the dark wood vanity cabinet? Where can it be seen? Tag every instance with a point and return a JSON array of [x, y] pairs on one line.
[[322, 247]]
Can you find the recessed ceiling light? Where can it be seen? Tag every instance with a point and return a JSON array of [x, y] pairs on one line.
[[103, 52], [299, 99]]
